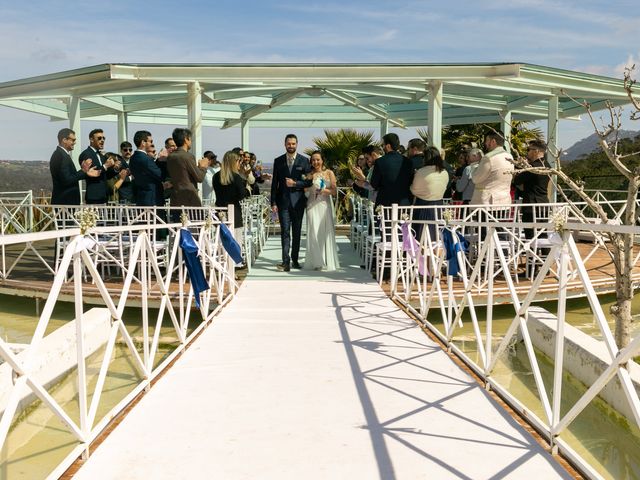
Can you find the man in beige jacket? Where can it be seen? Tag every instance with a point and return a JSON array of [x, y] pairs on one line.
[[492, 178], [185, 174]]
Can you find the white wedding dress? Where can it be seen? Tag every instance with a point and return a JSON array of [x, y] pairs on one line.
[[321, 252]]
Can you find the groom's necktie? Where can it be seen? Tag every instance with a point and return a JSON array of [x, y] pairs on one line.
[[290, 163]]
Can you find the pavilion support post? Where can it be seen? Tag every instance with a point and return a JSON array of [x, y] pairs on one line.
[[73, 110], [194, 117], [552, 141], [384, 127], [244, 135], [434, 126], [506, 129], [123, 127]]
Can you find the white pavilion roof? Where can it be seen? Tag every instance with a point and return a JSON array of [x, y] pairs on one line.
[[312, 95]]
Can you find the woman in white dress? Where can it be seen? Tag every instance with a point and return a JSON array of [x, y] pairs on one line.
[[321, 252]]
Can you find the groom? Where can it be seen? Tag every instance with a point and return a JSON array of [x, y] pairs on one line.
[[288, 199]]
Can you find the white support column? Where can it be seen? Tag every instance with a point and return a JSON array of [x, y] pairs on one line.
[[506, 129], [552, 140], [123, 128], [384, 127], [73, 110], [244, 135], [434, 126], [194, 117]]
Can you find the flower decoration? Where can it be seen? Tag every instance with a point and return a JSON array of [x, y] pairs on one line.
[[208, 222], [88, 218], [559, 221], [447, 216]]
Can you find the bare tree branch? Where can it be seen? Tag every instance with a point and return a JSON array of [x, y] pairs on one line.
[[629, 83], [524, 165]]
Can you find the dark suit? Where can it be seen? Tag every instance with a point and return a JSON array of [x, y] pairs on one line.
[[96, 191], [65, 178], [392, 176], [126, 192], [534, 190], [231, 194], [147, 179], [291, 202]]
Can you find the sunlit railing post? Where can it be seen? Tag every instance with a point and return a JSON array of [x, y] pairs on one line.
[[490, 268], [82, 372], [231, 267], [145, 308], [558, 361], [29, 201], [394, 249]]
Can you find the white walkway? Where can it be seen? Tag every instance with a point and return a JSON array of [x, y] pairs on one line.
[[316, 376]]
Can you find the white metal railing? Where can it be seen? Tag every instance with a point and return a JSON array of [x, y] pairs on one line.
[[563, 262], [16, 216], [117, 246], [256, 216], [80, 261]]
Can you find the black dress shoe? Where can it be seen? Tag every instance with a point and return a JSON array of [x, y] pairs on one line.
[[296, 265]]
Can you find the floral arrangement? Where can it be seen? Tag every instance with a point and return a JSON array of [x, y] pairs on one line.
[[319, 183], [88, 218], [559, 221]]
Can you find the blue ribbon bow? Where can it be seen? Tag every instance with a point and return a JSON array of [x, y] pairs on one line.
[[194, 267], [452, 248], [230, 244]]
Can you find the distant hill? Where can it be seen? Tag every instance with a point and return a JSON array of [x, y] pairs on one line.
[[597, 171], [588, 145], [18, 176]]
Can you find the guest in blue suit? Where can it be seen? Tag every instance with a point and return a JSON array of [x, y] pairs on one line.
[[392, 174], [147, 176], [288, 200]]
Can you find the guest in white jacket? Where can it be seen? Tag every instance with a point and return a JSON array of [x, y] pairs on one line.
[[208, 194], [429, 185], [492, 178]]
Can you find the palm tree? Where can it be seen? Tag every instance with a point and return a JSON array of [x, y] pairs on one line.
[[340, 148], [456, 138]]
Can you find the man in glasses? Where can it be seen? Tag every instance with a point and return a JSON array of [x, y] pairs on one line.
[[126, 150], [64, 175], [96, 187], [125, 192]]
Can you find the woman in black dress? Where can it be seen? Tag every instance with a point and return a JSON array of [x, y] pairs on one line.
[[230, 188]]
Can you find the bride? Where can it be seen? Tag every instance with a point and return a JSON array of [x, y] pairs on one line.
[[321, 252]]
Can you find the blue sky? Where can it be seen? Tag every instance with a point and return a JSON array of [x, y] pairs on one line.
[[40, 37]]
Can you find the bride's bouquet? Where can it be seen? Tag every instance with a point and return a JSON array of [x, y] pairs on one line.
[[319, 183]]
